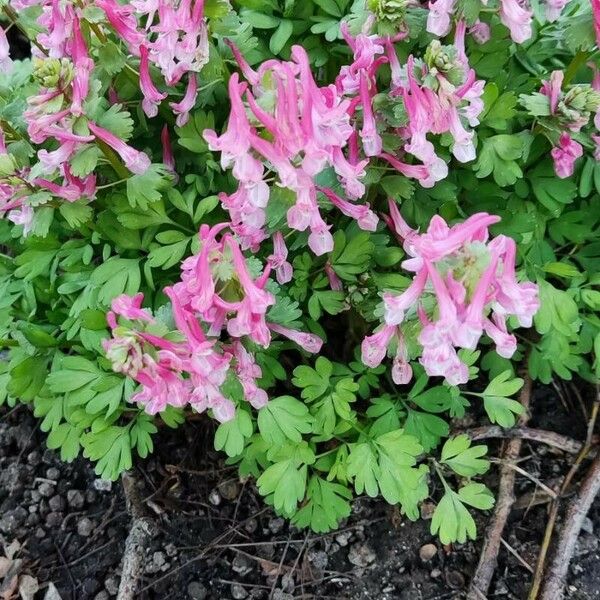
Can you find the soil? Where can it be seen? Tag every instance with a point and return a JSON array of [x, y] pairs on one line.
[[218, 540]]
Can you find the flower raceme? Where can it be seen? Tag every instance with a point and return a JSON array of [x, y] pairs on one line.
[[464, 286], [217, 293]]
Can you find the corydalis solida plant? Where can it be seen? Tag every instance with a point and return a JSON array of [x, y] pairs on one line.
[[254, 234]]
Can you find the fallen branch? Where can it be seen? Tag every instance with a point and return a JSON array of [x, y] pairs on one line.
[[550, 438], [584, 453], [484, 572], [141, 531], [556, 573]]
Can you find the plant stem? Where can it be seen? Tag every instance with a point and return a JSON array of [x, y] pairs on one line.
[[14, 19], [113, 159]]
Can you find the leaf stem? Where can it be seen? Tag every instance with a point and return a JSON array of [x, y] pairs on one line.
[[576, 63]]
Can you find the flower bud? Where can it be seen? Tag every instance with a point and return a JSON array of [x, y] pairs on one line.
[[53, 72]]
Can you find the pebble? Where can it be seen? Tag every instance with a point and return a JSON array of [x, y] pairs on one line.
[[34, 458], [455, 579], [102, 485], [241, 565], [251, 525], [427, 552], [361, 555], [196, 591], [276, 525], [89, 586], [91, 496], [288, 583], [54, 519], [46, 489], [229, 490], [12, 519], [35, 496], [343, 538], [103, 595], [427, 510], [214, 498], [238, 592], [111, 585], [318, 558], [52, 473], [85, 527], [588, 526], [75, 499], [279, 594], [56, 503], [40, 533]]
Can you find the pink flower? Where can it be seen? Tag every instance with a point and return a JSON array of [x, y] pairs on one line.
[[5, 60], [307, 341], [481, 32], [372, 142], [278, 260], [152, 97], [517, 19], [565, 154], [438, 19], [130, 307], [135, 161], [554, 8], [552, 89], [182, 109], [362, 213], [596, 17], [374, 347]]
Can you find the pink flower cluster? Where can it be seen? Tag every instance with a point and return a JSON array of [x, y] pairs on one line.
[[281, 121], [516, 15], [174, 37], [464, 285], [217, 293]]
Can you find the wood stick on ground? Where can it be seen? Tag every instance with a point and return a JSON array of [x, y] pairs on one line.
[[505, 499], [585, 451], [556, 573], [550, 438], [142, 530]]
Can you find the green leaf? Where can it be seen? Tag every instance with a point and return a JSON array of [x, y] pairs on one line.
[[147, 188], [498, 157], [499, 407], [451, 520], [286, 480], [428, 429], [464, 459], [231, 436], [330, 301], [259, 20], [281, 36], [76, 213], [351, 257], [362, 466], [190, 135], [328, 503], [111, 448], [282, 419], [141, 432], [314, 382]]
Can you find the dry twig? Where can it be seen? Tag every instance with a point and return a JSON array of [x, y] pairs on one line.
[[142, 529], [491, 546], [539, 570]]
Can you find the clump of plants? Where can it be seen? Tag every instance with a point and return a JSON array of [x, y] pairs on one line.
[[333, 227]]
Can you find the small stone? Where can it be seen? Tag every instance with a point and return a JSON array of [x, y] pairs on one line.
[[588, 526], [40, 533], [12, 519], [91, 497], [196, 591], [287, 582], [343, 538], [103, 595], [159, 559], [279, 594], [85, 527], [111, 585], [52, 473], [241, 565], [361, 555], [90, 585], [34, 458], [171, 550], [214, 498], [455, 579], [35, 496], [427, 552], [56, 503], [436, 573], [75, 499], [318, 558], [102, 485], [46, 489], [32, 520], [229, 490], [276, 525], [427, 510], [238, 592], [54, 520], [251, 525]]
